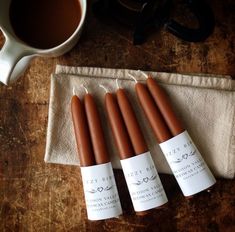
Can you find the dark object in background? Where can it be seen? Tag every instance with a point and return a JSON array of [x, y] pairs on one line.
[[144, 15]]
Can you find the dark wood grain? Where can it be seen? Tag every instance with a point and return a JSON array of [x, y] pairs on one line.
[[35, 196]]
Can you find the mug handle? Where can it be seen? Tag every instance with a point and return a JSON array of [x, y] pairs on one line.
[[10, 54]]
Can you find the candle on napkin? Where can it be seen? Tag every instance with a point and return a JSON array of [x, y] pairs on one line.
[[183, 157], [119, 130], [97, 174], [96, 131], [82, 134], [164, 106], [131, 123], [142, 179], [155, 119]]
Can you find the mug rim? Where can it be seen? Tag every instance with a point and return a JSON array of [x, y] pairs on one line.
[[58, 47]]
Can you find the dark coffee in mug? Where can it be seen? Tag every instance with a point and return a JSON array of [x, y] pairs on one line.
[[44, 24]]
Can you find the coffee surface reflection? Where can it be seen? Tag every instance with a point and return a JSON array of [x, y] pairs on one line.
[[44, 24]]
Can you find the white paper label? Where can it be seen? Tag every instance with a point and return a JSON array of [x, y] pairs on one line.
[[187, 164], [101, 195], [143, 182]]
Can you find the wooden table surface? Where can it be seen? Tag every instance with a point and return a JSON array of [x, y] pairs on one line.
[[35, 196]]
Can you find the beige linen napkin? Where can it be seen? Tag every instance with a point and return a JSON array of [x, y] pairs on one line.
[[206, 105]]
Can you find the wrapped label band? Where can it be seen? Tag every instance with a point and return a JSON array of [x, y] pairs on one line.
[[187, 164], [101, 195], [143, 182]]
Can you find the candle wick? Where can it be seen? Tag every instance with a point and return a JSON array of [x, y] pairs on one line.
[[132, 77], [86, 90], [118, 86], [74, 93], [103, 87], [143, 73]]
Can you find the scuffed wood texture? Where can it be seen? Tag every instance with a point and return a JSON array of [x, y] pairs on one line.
[[35, 196]]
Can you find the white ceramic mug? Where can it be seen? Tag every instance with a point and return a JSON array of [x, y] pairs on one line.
[[15, 55]]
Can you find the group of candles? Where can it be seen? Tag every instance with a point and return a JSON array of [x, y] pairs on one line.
[[144, 185]]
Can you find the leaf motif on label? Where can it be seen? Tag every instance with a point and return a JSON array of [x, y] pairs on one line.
[[91, 191], [108, 188], [100, 189], [137, 183], [145, 180], [184, 157], [153, 177], [192, 153], [176, 161]]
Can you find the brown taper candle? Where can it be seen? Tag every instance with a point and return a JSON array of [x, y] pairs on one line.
[[162, 101], [97, 135], [154, 117], [82, 135], [132, 125], [120, 134]]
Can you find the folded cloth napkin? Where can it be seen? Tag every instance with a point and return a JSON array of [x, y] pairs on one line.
[[205, 104]]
